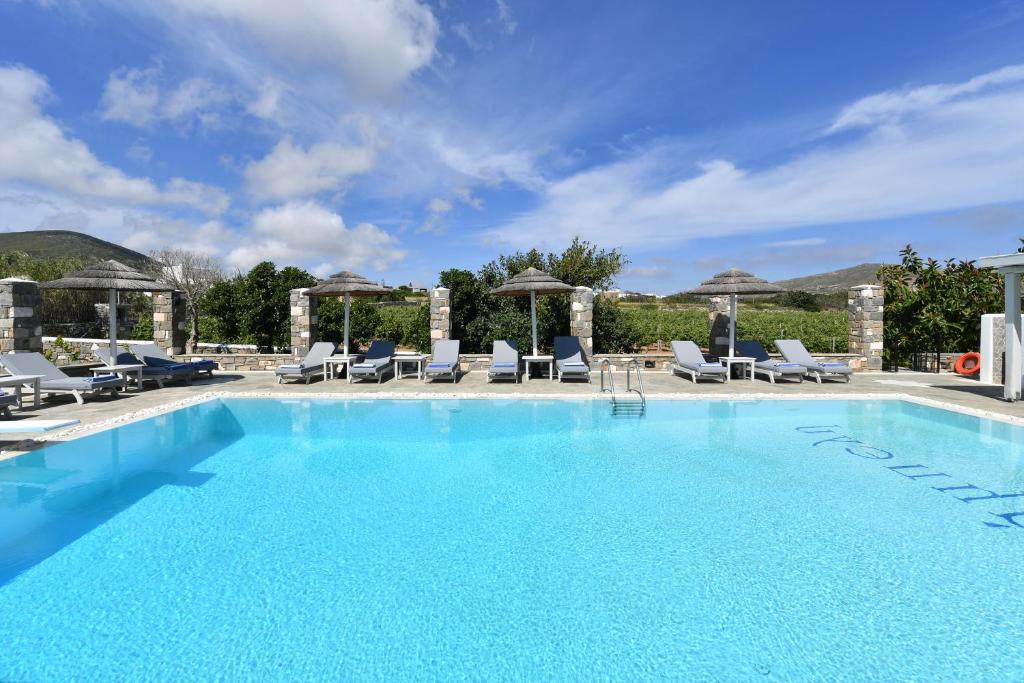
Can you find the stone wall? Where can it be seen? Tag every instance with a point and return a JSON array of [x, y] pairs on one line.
[[440, 314], [244, 362], [20, 326], [718, 317], [581, 318], [865, 306], [169, 321], [83, 346], [304, 321]]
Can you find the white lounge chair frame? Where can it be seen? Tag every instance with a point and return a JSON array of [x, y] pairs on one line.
[[693, 369]]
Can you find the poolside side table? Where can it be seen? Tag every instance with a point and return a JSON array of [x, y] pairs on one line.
[[19, 381], [331, 363], [550, 360], [123, 371], [745, 362], [416, 358]]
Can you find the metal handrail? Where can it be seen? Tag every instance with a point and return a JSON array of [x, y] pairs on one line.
[[634, 365], [632, 368], [607, 365]]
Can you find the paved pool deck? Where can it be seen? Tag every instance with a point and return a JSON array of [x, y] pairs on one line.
[[949, 390]]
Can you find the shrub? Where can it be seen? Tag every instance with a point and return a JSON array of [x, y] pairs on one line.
[[818, 330], [933, 307]]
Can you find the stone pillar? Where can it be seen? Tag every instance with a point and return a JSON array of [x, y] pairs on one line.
[[581, 318], [169, 321], [20, 327], [718, 317], [440, 314], [304, 320], [865, 305]]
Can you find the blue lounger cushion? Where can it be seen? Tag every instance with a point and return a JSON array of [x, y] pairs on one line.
[[440, 365], [101, 378], [504, 365]]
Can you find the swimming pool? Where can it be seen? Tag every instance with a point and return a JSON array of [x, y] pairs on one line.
[[301, 540]]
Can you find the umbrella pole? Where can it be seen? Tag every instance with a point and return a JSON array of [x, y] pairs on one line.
[[346, 322], [533, 319], [113, 325], [732, 325]]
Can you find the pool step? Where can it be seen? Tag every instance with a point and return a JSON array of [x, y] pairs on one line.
[[627, 406]]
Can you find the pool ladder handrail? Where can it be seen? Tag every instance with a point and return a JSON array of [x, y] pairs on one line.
[[632, 368]]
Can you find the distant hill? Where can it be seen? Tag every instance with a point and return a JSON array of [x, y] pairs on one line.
[[835, 281], [57, 243]]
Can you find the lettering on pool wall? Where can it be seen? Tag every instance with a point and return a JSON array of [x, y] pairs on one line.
[[966, 493]]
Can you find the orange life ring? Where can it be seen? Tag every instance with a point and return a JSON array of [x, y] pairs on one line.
[[968, 364]]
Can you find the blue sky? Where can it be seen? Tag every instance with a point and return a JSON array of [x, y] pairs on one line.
[[398, 138]]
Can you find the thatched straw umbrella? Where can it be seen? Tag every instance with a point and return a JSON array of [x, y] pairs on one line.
[[734, 283], [347, 284], [533, 282], [113, 276]]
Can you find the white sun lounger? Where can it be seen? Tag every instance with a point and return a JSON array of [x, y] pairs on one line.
[[154, 373], [378, 360], [569, 360], [310, 366], [444, 361], [504, 361], [155, 356], [794, 351], [689, 360], [766, 365], [54, 380]]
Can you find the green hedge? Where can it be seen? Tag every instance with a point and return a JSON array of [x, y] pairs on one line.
[[817, 329]]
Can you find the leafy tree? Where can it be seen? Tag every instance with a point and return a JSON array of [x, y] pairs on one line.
[[259, 319], [222, 322], [365, 322], [478, 318], [261, 302], [470, 302], [932, 306]]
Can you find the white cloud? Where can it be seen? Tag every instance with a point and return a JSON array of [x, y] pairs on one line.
[[802, 242], [961, 152], [134, 96], [890, 106], [267, 103], [34, 150], [482, 164], [379, 43], [508, 24], [146, 232], [466, 196], [290, 171], [135, 228], [436, 209], [438, 205], [131, 96], [306, 232]]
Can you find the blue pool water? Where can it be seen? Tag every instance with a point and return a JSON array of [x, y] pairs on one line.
[[307, 540]]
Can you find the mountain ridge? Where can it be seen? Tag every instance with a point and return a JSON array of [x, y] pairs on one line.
[[66, 243], [834, 280]]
